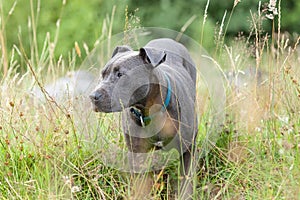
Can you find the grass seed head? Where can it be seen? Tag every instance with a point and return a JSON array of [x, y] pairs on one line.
[[12, 104]]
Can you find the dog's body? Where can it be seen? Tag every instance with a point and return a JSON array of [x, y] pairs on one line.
[[155, 87]]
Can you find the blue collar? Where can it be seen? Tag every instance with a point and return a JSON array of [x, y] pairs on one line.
[[145, 119]]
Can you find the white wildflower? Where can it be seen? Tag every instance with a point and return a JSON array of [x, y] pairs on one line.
[[272, 9], [270, 16], [258, 129], [272, 3], [75, 189], [67, 180]]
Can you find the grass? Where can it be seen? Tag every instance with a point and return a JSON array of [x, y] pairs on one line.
[[44, 155]]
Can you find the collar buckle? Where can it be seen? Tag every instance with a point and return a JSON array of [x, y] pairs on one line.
[[142, 121]]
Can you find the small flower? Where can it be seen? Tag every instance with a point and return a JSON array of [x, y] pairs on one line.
[[272, 9], [258, 129], [75, 189], [272, 3], [270, 16]]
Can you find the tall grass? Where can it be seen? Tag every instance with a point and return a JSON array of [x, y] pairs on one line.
[[257, 153], [44, 156]]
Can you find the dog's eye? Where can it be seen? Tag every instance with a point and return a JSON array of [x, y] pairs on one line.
[[119, 74]]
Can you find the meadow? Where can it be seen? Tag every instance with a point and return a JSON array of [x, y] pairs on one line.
[[44, 155]]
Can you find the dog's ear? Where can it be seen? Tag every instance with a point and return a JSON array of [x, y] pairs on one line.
[[153, 56], [121, 49]]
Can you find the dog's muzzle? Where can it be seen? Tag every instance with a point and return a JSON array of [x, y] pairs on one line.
[[100, 101]]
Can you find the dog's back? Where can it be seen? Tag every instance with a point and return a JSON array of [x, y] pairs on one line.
[[176, 53]]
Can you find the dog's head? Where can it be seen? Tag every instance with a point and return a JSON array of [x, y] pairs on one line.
[[126, 78]]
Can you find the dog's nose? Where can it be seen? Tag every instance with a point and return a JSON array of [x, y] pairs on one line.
[[95, 96]]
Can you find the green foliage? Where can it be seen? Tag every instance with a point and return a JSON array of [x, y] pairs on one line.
[[290, 16], [76, 21], [83, 21]]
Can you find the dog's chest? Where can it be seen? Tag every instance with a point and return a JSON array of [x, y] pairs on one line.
[[157, 135]]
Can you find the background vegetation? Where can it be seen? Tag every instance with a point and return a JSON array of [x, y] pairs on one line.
[[83, 22], [44, 156]]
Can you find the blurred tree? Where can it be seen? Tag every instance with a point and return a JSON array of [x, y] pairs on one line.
[[290, 16], [77, 21], [82, 21]]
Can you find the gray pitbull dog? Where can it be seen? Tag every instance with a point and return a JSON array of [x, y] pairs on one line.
[[155, 89]]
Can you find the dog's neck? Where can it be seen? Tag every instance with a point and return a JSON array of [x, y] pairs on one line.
[[157, 95]]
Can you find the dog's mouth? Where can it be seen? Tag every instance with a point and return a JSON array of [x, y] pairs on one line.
[[104, 103], [95, 109], [106, 106], [94, 106]]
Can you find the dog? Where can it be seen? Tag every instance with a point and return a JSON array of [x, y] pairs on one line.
[[155, 89]]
